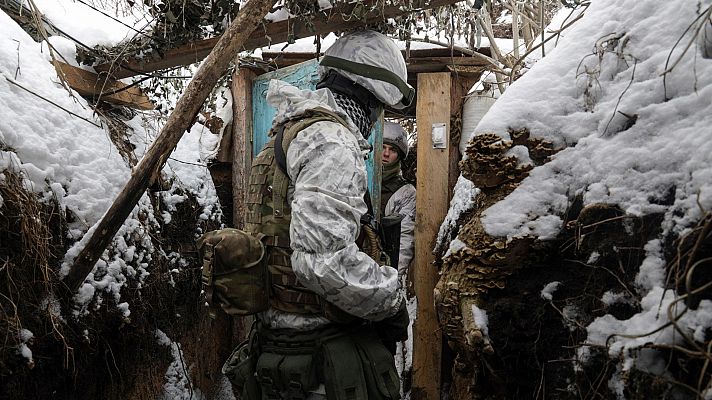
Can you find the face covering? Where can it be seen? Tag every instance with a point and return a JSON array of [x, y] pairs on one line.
[[356, 111], [391, 170]]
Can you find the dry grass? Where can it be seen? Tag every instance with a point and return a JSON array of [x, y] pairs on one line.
[[27, 280]]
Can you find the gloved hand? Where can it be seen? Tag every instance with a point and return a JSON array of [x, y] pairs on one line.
[[394, 328]]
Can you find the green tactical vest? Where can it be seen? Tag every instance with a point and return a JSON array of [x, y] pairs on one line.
[[269, 214]]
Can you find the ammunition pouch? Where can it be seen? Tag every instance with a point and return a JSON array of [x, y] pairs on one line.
[[358, 367], [351, 362], [235, 276]]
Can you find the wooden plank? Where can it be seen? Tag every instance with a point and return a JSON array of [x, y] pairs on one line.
[[241, 142], [415, 64], [89, 84], [332, 20], [303, 76], [178, 121], [431, 207]]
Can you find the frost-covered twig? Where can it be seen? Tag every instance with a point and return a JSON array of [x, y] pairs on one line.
[[704, 16], [632, 78]]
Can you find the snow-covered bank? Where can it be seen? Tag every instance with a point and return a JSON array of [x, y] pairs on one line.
[[65, 154], [625, 98], [632, 132]]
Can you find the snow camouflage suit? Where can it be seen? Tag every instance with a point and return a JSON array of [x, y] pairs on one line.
[[325, 164], [327, 182]]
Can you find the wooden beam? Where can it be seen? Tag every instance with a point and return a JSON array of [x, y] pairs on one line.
[[415, 64], [431, 208], [178, 121], [90, 84], [241, 142], [330, 20]]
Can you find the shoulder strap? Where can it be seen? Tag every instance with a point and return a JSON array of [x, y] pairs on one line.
[[280, 156], [288, 131]]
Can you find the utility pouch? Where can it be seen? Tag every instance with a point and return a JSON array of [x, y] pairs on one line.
[[240, 370], [286, 376], [234, 275], [268, 375], [298, 375], [379, 368], [343, 370]]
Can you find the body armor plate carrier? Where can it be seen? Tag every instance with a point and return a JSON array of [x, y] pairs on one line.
[[269, 214]]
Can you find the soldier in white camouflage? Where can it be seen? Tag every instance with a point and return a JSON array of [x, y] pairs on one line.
[[331, 306], [397, 195]]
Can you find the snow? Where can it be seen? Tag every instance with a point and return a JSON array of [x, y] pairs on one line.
[[652, 269], [404, 350], [177, 384], [480, 317], [548, 292], [307, 45], [652, 325], [49, 144], [630, 135], [610, 298], [665, 149], [26, 336], [462, 201], [95, 28], [63, 152]]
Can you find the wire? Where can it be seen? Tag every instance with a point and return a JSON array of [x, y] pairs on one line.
[[115, 19], [51, 102]]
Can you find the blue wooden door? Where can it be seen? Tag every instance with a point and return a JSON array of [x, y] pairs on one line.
[[306, 76]]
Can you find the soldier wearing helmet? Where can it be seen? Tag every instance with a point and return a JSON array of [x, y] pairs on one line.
[[397, 195], [330, 302]]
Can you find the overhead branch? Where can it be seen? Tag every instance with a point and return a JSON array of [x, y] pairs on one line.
[[339, 18], [180, 119]]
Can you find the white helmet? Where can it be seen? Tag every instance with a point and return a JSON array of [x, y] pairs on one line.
[[373, 61], [394, 135]]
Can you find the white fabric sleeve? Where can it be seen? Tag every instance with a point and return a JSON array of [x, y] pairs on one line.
[[324, 161]]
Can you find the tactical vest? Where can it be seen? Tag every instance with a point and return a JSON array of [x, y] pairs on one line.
[[269, 213]]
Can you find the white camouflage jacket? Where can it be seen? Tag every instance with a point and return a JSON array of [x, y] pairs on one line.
[[325, 164]]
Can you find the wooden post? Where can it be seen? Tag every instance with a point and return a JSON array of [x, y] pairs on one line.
[[241, 142], [431, 208], [178, 121]]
